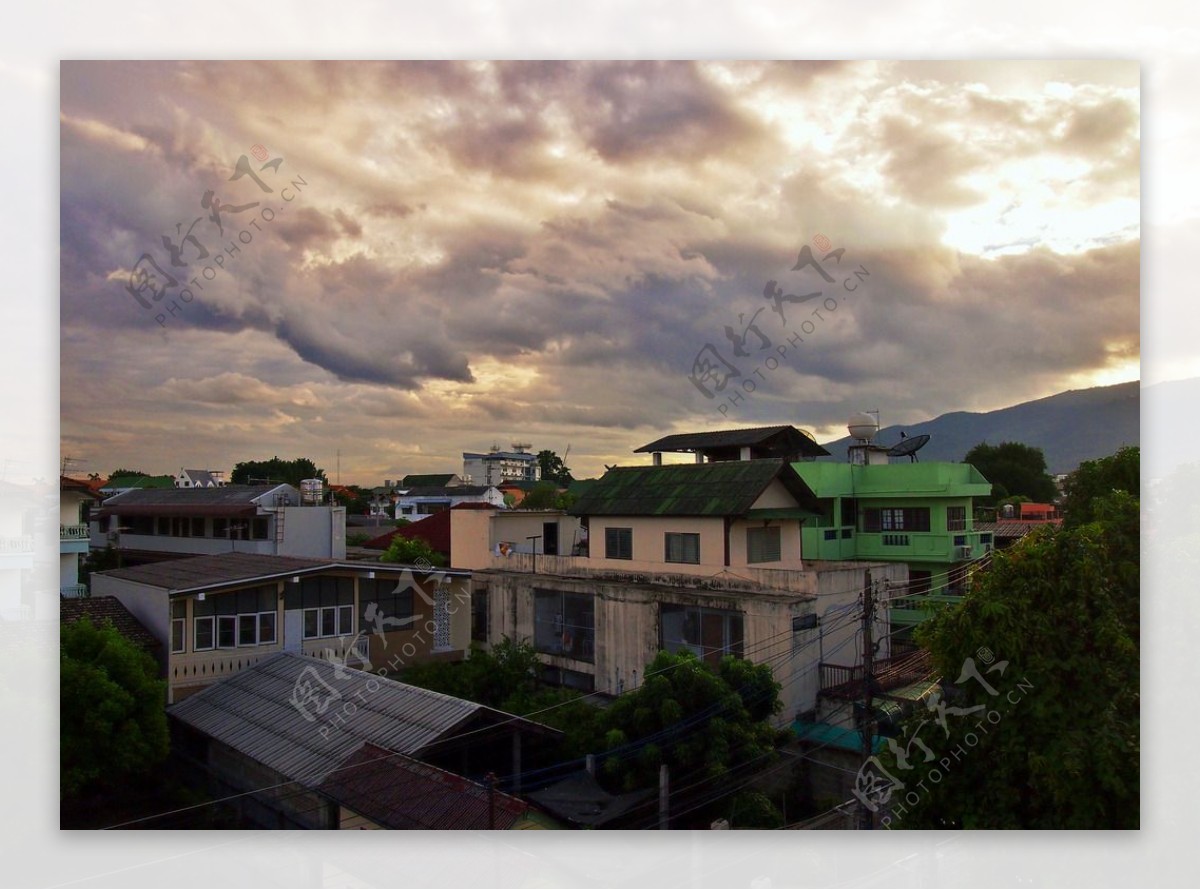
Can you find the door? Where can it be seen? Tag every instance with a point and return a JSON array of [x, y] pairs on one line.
[[293, 628], [550, 538]]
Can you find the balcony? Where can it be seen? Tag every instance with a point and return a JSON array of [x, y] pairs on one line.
[[74, 591], [73, 533], [845, 682], [914, 609]]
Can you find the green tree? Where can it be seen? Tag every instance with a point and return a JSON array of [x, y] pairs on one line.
[[1013, 469], [121, 471], [544, 496], [553, 469], [1096, 479], [276, 470], [700, 721], [1065, 753], [411, 551], [114, 722]]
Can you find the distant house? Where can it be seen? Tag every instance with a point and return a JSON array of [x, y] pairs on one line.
[[162, 523], [200, 479], [423, 501], [218, 615], [426, 480], [315, 744]]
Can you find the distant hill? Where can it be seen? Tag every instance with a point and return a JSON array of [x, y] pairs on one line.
[[1071, 427]]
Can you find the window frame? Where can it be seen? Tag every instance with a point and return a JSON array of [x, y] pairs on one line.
[[959, 521], [178, 626], [197, 621], [764, 550], [682, 540], [618, 542]]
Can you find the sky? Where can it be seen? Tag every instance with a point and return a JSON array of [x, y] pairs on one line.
[[392, 263]]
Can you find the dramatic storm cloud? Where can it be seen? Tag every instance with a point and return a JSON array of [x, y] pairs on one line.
[[404, 261]]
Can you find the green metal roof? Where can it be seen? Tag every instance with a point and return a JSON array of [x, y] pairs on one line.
[[140, 482], [724, 488], [935, 479]]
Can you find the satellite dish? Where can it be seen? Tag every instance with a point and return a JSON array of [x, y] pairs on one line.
[[909, 447]]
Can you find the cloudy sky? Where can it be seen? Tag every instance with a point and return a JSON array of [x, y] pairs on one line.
[[424, 258]]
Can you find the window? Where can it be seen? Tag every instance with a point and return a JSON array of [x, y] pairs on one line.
[[762, 545], [226, 625], [203, 633], [564, 624], [618, 543], [985, 538], [385, 605], [919, 582], [682, 547], [956, 519], [328, 605], [137, 525], [479, 616], [896, 519], [243, 618], [258, 528], [831, 534], [849, 511], [197, 527], [162, 525], [181, 527], [709, 633], [178, 625]]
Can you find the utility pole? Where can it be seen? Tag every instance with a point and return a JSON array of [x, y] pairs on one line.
[[866, 820]]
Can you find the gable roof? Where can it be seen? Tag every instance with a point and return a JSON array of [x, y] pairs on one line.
[[202, 478], [101, 609], [280, 712], [229, 500], [401, 793], [724, 488], [779, 441]]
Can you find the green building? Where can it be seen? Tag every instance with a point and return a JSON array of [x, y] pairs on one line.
[[916, 513]]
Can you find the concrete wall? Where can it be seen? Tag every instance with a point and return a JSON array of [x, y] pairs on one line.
[[515, 526], [649, 542], [317, 532], [470, 537]]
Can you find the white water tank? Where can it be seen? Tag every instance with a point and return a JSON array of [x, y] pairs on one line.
[[312, 491], [862, 426]]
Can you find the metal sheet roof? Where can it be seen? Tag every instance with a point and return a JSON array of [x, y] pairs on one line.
[[725, 488], [254, 713], [787, 439], [398, 792], [231, 500]]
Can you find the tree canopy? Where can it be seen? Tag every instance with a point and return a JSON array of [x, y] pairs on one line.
[[292, 472], [701, 721], [1014, 469], [121, 471], [553, 469], [114, 723], [1056, 738], [412, 551], [1085, 489]]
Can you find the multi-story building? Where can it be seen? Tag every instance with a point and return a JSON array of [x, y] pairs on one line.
[[498, 466], [217, 615], [150, 524], [75, 502], [699, 557]]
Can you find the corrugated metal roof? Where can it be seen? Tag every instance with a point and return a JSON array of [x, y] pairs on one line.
[[398, 792], [230, 500], [212, 571], [724, 488], [253, 713]]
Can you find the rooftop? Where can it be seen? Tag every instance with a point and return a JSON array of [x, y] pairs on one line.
[[769, 441], [228, 569], [401, 793], [724, 488], [272, 713], [101, 609], [230, 500]]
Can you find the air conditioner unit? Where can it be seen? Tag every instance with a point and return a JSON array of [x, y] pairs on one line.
[[987, 548], [964, 552]]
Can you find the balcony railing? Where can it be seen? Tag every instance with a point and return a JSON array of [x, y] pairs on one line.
[[73, 532], [23, 544], [845, 681], [73, 591]]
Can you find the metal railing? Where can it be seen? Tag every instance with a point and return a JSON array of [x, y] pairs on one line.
[[74, 591], [73, 532]]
